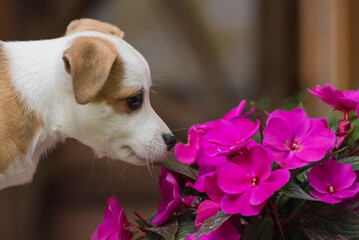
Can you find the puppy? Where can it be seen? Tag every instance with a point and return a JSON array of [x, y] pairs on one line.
[[90, 85]]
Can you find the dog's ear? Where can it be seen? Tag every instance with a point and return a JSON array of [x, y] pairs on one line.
[[87, 24], [89, 61]]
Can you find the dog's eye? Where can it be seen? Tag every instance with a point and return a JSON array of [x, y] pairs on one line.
[[135, 102]]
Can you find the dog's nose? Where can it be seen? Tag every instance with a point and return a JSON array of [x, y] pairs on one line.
[[170, 140]]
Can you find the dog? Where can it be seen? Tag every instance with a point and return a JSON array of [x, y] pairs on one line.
[[90, 85]]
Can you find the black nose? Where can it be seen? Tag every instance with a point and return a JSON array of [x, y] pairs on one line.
[[170, 140]]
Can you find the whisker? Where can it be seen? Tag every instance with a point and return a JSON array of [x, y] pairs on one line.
[[153, 91], [179, 129], [147, 161], [95, 154], [158, 76], [108, 162], [124, 168]]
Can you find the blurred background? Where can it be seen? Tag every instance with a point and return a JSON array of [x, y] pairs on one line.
[[205, 57]]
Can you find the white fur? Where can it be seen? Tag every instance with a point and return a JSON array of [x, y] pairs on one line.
[[38, 74]]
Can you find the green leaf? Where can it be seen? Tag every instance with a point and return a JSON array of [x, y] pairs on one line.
[[179, 168], [302, 177], [334, 220], [293, 190], [186, 224], [212, 224], [354, 161], [265, 229], [262, 116], [319, 234], [153, 236], [190, 191], [140, 223], [283, 201], [167, 231], [249, 232], [352, 207]]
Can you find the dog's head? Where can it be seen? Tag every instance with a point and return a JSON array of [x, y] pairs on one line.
[[111, 83]]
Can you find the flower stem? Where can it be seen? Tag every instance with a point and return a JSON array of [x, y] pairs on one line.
[[141, 218], [138, 229], [195, 176], [277, 218], [288, 220]]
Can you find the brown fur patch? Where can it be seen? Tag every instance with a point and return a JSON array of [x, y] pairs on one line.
[[115, 95], [97, 72], [18, 124], [87, 24], [89, 60]]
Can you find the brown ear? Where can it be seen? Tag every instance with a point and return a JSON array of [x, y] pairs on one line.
[[89, 61], [87, 24]]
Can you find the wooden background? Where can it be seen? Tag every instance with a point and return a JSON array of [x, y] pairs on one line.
[[205, 57]]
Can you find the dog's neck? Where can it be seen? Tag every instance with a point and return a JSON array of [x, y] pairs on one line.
[[38, 74]]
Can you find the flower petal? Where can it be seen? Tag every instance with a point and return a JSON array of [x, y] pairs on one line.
[[331, 173], [206, 209], [239, 203], [172, 199], [300, 123], [233, 178], [287, 159], [348, 192], [208, 183], [316, 143], [266, 188], [236, 112], [276, 134], [222, 133], [296, 119], [104, 230], [226, 231], [245, 128], [327, 198], [187, 153], [328, 94], [113, 208], [204, 159]]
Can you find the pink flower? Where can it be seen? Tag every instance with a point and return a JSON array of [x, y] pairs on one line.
[[208, 209], [172, 199], [115, 223], [344, 101], [207, 161], [248, 182], [333, 181], [229, 136], [237, 112], [191, 152], [295, 140], [350, 201], [187, 153], [342, 132], [207, 182]]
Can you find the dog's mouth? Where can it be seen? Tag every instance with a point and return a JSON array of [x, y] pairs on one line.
[[133, 157]]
